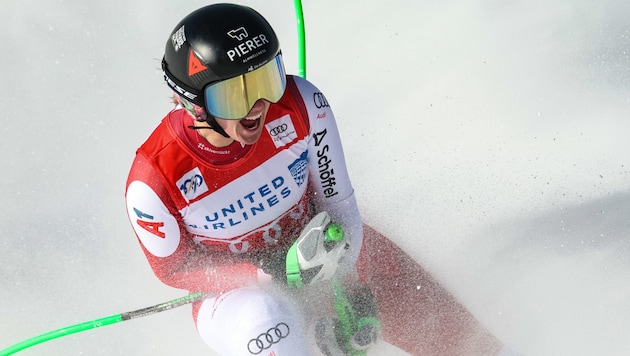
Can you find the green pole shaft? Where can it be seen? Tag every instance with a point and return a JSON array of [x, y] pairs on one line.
[[101, 322], [299, 17], [60, 333]]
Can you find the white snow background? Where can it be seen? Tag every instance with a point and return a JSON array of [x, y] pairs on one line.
[[490, 139]]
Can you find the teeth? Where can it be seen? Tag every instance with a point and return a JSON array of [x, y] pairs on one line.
[[254, 118]]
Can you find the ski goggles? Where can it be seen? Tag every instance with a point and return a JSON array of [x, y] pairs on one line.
[[233, 98]]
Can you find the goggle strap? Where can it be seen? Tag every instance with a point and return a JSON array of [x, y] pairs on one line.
[[213, 126]]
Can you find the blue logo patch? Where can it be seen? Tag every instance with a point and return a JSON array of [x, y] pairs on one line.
[[192, 184], [298, 168]]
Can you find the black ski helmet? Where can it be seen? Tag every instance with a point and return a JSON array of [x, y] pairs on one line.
[[215, 43]]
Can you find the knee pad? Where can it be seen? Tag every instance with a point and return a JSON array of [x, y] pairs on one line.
[[251, 321]]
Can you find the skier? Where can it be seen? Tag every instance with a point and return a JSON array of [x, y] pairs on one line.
[[237, 190]]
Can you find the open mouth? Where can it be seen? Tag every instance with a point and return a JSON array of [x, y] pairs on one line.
[[251, 123]]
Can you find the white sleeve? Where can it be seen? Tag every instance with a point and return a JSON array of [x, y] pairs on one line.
[[328, 176]]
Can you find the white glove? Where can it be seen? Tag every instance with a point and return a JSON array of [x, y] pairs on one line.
[[316, 254]]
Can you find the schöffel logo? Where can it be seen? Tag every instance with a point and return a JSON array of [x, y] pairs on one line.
[[192, 184], [320, 100], [319, 137], [298, 168], [282, 131], [325, 165]]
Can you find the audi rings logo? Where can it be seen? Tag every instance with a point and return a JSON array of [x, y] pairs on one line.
[[268, 339], [278, 130], [320, 100]]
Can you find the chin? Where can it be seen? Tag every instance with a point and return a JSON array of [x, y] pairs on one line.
[[250, 140]]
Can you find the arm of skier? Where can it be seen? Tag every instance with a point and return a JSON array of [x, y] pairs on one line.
[[329, 179], [168, 247]]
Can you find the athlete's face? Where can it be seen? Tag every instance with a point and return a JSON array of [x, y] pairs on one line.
[[248, 129]]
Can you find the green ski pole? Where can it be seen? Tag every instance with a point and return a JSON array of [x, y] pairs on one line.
[[101, 322], [299, 17]]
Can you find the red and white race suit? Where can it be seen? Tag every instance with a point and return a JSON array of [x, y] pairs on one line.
[[201, 213]]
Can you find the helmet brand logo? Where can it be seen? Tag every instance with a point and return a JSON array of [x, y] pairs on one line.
[[238, 34], [249, 47], [194, 64], [178, 38]]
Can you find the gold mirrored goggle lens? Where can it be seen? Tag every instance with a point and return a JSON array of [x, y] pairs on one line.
[[233, 98]]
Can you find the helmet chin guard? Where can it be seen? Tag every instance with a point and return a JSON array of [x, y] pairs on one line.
[[317, 252]]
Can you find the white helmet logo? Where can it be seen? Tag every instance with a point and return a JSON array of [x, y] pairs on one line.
[[178, 38], [238, 34]]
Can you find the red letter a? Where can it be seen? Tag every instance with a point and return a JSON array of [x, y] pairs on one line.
[[152, 227]]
